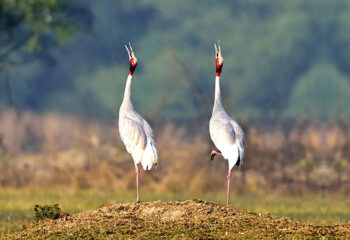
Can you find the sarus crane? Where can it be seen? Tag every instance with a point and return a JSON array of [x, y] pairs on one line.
[[135, 132], [227, 135]]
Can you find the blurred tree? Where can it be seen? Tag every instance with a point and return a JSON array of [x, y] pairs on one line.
[[28, 29], [74, 84], [270, 47], [322, 93]]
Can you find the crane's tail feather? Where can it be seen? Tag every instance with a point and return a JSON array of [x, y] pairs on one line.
[[240, 157], [150, 156], [137, 154], [233, 157]]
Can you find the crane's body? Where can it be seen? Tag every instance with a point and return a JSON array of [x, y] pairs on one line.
[[135, 132], [225, 132]]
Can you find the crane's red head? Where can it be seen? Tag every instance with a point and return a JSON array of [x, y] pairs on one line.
[[218, 59], [132, 59]]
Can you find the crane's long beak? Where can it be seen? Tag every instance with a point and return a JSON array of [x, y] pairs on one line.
[[126, 47], [217, 50], [130, 51]]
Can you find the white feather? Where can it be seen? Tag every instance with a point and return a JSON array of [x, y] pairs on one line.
[[226, 133], [150, 156], [136, 133], [230, 152]]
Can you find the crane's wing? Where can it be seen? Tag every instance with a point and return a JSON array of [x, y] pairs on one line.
[[221, 132], [147, 128], [240, 139], [225, 133], [151, 152], [149, 132], [132, 134]]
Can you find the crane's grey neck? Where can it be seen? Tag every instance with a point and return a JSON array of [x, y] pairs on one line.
[[127, 104], [217, 101]]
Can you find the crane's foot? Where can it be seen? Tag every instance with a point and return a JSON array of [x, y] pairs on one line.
[[213, 153]]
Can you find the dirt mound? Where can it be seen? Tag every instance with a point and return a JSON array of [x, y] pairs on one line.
[[191, 219]]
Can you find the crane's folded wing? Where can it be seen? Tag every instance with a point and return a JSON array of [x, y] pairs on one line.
[[149, 133], [222, 132], [239, 137], [132, 134]]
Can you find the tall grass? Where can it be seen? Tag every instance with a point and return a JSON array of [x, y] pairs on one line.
[[53, 150]]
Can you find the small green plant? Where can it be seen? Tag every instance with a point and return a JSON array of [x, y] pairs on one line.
[[47, 212]]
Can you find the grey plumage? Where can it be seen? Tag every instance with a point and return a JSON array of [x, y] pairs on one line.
[[138, 138], [227, 135], [225, 132], [135, 132]]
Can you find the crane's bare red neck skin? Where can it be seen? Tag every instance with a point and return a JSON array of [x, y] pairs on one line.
[[133, 65], [218, 67]]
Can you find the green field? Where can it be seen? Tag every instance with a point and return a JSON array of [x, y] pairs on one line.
[[16, 205]]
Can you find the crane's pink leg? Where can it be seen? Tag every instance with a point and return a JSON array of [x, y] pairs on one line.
[[213, 153], [228, 186], [137, 183]]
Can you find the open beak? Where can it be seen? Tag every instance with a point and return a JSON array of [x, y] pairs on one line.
[[130, 51], [218, 50]]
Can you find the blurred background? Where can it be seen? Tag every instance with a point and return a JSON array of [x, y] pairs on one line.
[[286, 80]]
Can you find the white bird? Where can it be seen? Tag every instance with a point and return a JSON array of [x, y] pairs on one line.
[[135, 132], [225, 132]]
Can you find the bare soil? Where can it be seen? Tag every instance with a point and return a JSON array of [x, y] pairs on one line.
[[191, 219]]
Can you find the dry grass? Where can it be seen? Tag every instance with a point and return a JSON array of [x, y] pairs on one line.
[[51, 150], [191, 219]]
